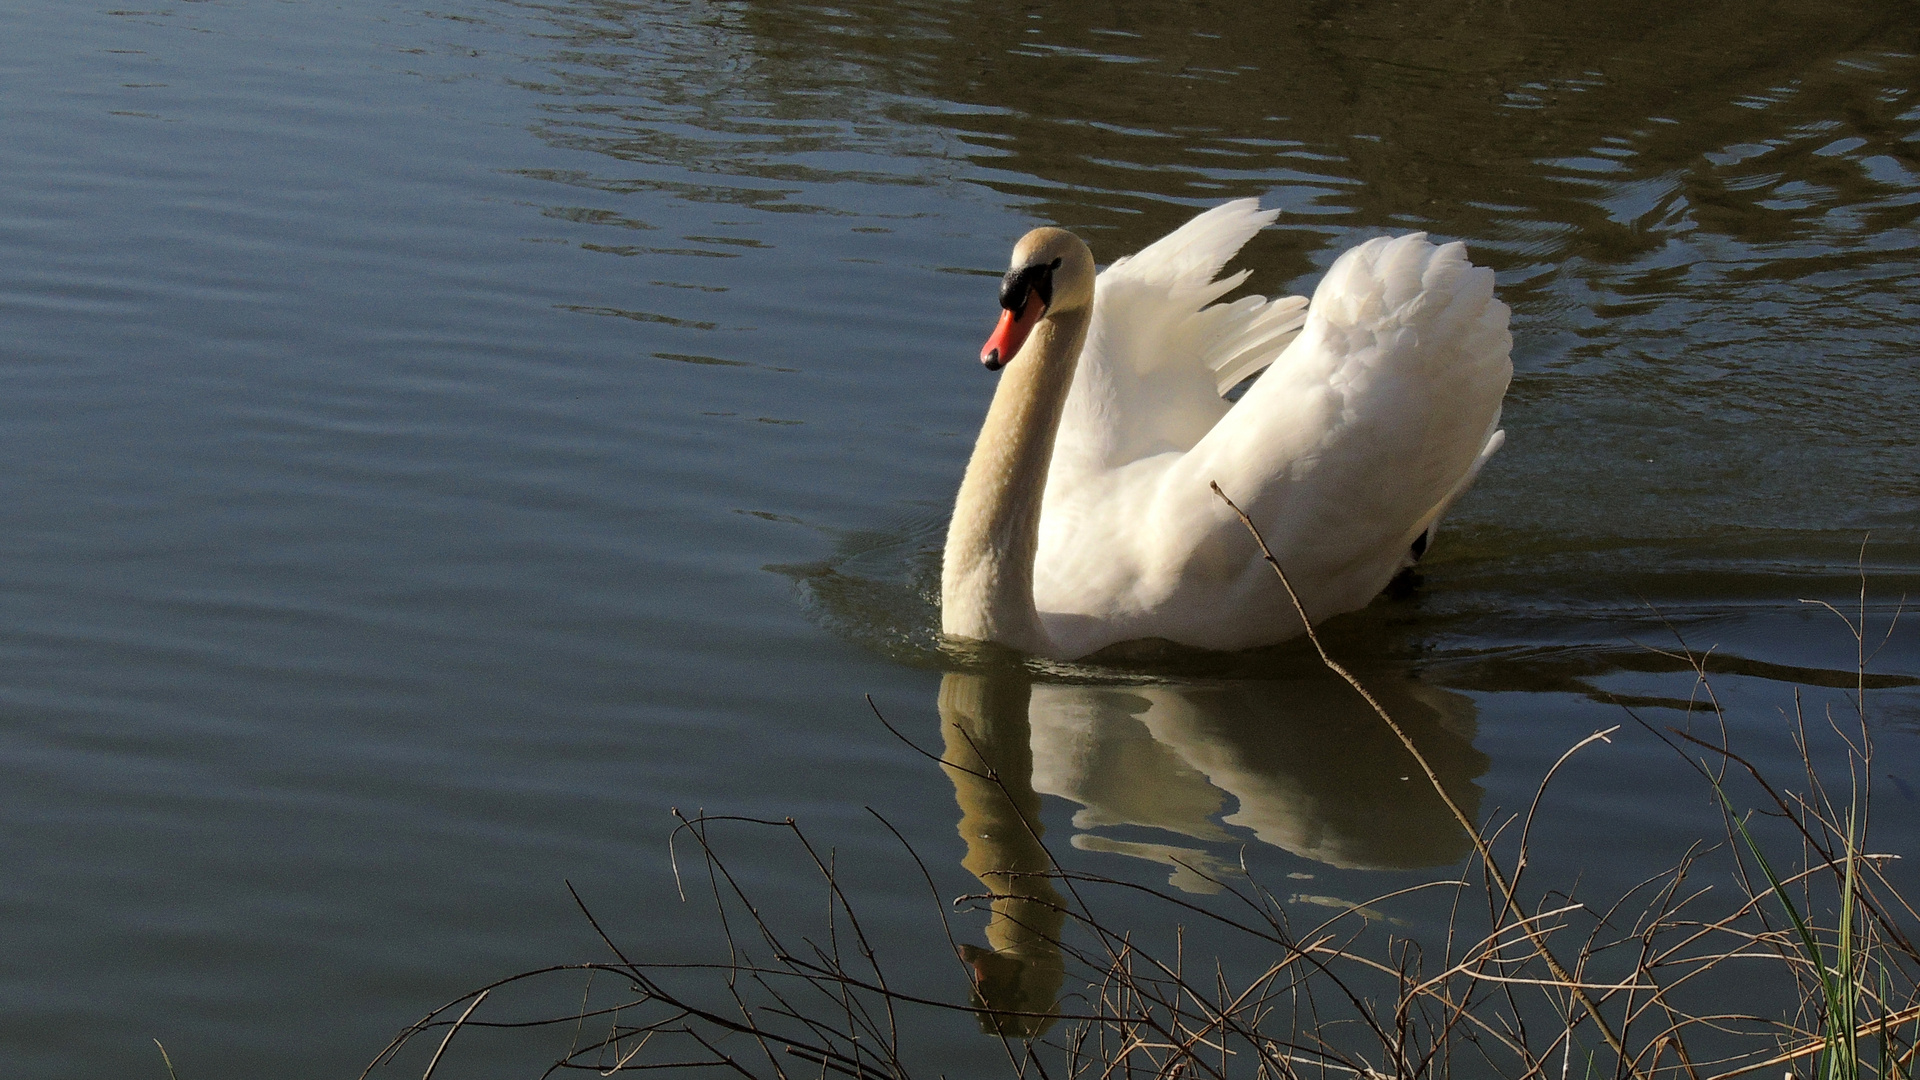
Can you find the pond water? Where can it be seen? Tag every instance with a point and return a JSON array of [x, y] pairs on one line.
[[440, 440]]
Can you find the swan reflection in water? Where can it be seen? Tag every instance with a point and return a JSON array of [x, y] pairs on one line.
[[1303, 764]]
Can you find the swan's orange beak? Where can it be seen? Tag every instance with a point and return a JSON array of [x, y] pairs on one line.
[[1012, 332]]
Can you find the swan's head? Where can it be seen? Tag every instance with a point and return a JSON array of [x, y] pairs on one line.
[[1052, 271]]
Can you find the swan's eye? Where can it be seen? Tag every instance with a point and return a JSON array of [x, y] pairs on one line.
[[1035, 280]]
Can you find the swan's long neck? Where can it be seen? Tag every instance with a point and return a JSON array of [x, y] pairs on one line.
[[986, 582]]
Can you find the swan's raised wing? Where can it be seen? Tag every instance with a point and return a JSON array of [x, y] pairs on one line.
[[1158, 357], [1346, 450], [1358, 437]]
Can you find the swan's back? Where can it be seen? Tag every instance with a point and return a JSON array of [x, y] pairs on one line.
[[1347, 450]]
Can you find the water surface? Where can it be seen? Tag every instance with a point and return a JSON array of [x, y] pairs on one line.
[[441, 440]]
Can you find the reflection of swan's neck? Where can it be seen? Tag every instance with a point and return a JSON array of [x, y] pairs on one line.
[[990, 761], [986, 582]]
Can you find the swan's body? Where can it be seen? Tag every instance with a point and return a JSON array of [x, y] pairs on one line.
[[1086, 519]]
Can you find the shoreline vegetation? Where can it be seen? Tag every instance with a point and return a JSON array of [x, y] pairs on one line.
[[1810, 970]]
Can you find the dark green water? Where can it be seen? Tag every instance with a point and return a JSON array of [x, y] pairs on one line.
[[440, 440]]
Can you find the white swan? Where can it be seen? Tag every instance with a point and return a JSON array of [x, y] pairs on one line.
[[1085, 517]]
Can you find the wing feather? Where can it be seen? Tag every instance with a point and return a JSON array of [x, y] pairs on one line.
[[1160, 351], [1374, 418]]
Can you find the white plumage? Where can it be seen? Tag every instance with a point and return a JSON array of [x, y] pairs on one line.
[[1379, 403]]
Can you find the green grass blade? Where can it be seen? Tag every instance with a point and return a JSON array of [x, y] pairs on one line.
[[1829, 987]]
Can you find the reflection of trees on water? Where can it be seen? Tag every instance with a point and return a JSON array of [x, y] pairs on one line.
[[1380, 112], [1303, 764], [1541, 129]]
